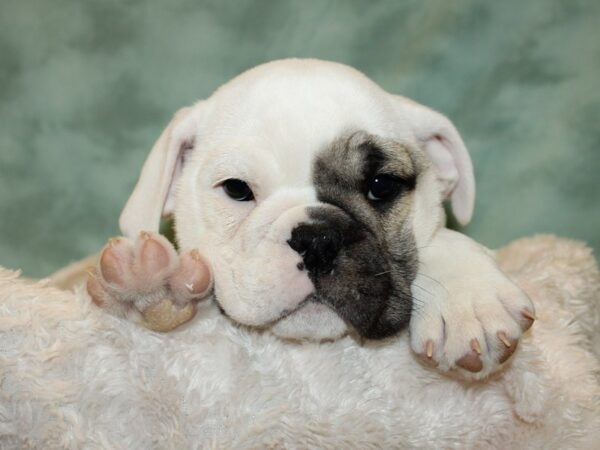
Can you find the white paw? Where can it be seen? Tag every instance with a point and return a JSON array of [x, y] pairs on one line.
[[148, 282], [471, 324]]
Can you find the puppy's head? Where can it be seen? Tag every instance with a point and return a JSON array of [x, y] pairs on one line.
[[310, 191]]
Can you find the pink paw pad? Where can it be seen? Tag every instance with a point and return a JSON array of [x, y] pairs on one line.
[[192, 278], [115, 262], [154, 260], [148, 276]]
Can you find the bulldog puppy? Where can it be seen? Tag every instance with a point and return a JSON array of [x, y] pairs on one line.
[[316, 197]]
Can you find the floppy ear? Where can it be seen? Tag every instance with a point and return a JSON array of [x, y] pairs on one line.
[[447, 152], [152, 196]]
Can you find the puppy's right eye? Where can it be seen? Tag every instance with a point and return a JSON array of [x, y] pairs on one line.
[[238, 190]]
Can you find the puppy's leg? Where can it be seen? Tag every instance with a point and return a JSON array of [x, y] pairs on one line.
[[148, 282], [468, 316]]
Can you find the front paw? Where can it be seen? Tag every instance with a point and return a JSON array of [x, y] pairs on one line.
[[148, 282], [469, 326]]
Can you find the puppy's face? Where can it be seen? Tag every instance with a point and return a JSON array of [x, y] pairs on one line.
[[339, 241], [309, 192]]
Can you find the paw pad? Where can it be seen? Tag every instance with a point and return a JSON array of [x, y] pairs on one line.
[[149, 281], [471, 362]]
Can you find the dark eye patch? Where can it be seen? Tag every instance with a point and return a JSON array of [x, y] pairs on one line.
[[378, 186], [353, 166]]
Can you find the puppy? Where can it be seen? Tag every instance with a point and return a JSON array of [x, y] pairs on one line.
[[316, 198]]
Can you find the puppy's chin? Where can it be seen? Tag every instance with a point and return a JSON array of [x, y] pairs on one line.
[[313, 321]]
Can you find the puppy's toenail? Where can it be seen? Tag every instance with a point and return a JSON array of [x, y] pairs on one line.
[[144, 235], [300, 266], [475, 346], [502, 336], [470, 362], [529, 319], [507, 353], [113, 241], [195, 254], [528, 314], [427, 356], [429, 349], [511, 346]]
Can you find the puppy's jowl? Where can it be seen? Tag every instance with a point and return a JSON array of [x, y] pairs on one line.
[[316, 198]]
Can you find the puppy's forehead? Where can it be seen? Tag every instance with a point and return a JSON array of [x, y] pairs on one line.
[[292, 110], [298, 107]]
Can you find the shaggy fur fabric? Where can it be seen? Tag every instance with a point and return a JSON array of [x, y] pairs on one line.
[[74, 377]]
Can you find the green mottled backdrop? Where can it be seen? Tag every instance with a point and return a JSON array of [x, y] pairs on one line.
[[86, 87]]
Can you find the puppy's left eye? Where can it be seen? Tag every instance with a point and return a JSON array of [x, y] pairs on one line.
[[238, 190], [383, 187]]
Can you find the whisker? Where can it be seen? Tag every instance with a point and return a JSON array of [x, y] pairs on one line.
[[423, 289], [381, 273], [434, 280]]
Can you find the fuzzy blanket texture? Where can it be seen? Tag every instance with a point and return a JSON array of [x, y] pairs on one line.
[[72, 376]]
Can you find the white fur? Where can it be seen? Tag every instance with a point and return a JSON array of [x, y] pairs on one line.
[[265, 127], [74, 377]]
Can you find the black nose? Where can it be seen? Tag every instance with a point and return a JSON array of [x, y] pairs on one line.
[[318, 244]]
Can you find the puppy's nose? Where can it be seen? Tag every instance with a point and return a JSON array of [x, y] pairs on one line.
[[318, 245]]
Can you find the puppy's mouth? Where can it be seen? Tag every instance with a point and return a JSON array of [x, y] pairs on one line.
[[371, 305]]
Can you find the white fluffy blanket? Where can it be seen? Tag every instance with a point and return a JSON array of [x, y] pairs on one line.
[[74, 377]]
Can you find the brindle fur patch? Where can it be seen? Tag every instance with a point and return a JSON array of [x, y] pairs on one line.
[[370, 286]]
